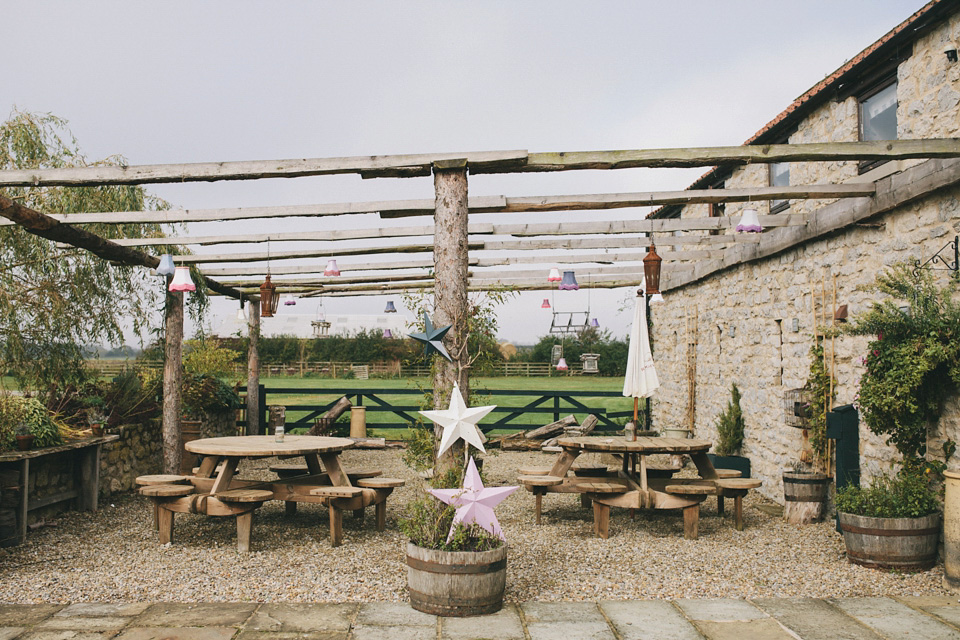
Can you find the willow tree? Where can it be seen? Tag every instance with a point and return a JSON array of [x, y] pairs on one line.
[[54, 300]]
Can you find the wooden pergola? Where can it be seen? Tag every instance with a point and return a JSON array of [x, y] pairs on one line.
[[608, 252]]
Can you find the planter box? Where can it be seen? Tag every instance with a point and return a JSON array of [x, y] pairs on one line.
[[904, 544], [456, 583], [738, 463]]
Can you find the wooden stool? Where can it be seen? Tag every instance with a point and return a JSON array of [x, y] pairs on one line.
[[254, 497], [736, 488], [336, 516], [691, 514], [384, 487], [163, 478], [534, 471], [724, 474], [601, 511], [163, 518], [538, 485]]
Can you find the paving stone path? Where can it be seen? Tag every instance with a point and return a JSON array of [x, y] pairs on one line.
[[927, 618]]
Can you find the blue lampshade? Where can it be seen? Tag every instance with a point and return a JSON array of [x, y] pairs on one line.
[[569, 282], [166, 268], [595, 323], [390, 308]]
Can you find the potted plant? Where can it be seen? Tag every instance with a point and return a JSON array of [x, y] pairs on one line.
[[730, 426], [24, 437], [911, 366]]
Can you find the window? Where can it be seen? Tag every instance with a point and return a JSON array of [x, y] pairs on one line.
[[779, 177], [878, 118]]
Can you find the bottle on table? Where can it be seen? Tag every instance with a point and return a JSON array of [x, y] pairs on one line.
[[278, 433]]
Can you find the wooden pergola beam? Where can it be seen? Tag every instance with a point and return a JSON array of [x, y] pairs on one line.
[[483, 162]]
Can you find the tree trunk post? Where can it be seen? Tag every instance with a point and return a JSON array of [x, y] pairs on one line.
[[450, 260], [253, 368], [172, 382]]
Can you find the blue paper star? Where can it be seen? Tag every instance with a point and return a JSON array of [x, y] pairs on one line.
[[432, 338]]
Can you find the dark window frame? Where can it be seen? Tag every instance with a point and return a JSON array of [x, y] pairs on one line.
[[881, 84], [777, 206]]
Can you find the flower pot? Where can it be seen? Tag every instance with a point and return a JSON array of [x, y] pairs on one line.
[[804, 495], [25, 443], [456, 583], [676, 432], [97, 429], [738, 463], [905, 544], [951, 530]]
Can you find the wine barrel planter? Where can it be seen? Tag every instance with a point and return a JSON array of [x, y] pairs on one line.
[[905, 544], [456, 583], [804, 495]]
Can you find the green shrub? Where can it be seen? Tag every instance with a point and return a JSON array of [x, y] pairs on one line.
[[208, 394], [427, 524], [21, 410], [730, 426], [906, 495]]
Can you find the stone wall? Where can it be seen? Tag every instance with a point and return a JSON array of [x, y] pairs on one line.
[[137, 452], [745, 315]]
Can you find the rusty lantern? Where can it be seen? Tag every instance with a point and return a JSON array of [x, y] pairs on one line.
[[268, 298], [651, 271]]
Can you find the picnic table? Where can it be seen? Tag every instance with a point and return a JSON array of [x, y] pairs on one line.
[[636, 485], [214, 489]]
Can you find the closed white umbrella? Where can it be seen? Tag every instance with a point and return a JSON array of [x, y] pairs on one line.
[[641, 379]]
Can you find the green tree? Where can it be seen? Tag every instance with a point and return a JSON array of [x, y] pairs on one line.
[[54, 300]]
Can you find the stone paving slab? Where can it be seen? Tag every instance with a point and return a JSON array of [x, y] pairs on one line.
[[7, 633], [648, 620], [177, 633], [66, 635], [391, 614], [720, 610], [176, 614], [756, 629], [894, 619], [566, 620], [22, 615], [302, 617], [84, 623], [98, 609], [947, 608], [502, 625], [813, 619]]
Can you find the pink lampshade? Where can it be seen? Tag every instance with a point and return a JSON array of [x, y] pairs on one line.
[[387, 333], [331, 269], [554, 275], [546, 304], [562, 364], [182, 280]]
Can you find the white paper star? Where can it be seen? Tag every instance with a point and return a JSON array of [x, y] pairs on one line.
[[474, 502], [459, 422]]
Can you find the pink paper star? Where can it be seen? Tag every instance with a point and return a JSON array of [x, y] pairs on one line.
[[474, 502]]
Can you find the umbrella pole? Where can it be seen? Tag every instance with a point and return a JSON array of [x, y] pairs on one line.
[[636, 402]]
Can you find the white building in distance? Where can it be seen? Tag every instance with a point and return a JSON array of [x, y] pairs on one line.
[[303, 325]]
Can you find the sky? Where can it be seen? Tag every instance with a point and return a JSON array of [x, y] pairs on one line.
[[176, 82]]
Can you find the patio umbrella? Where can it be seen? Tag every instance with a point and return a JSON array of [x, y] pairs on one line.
[[641, 379]]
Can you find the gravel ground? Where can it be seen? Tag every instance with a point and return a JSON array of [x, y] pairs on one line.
[[114, 555]]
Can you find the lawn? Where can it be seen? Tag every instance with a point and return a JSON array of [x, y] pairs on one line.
[[329, 390]]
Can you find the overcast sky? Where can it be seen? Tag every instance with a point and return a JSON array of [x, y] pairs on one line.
[[164, 82]]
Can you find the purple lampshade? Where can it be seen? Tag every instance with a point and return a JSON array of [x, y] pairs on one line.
[[595, 323], [554, 275], [387, 333], [546, 304], [749, 222], [562, 364], [289, 301], [182, 280], [390, 308], [569, 282], [166, 268], [331, 269]]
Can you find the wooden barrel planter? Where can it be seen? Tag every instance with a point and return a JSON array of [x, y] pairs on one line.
[[804, 495], [905, 544], [456, 583]]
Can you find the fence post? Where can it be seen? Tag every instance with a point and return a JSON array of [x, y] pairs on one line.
[[556, 408], [262, 410]]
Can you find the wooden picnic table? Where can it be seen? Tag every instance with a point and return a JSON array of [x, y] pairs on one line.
[[633, 487]]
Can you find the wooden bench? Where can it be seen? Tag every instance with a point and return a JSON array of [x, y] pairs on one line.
[[534, 471], [691, 514], [655, 471], [372, 490], [538, 486], [590, 470], [164, 478], [735, 488]]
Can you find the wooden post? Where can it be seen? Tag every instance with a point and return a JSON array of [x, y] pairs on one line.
[[253, 368], [172, 381], [450, 258]]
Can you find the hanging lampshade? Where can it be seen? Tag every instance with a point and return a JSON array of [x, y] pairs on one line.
[[546, 304], [554, 275], [651, 270], [749, 222], [166, 267], [655, 298], [387, 333], [595, 323], [569, 282], [289, 301], [182, 280], [331, 269], [562, 364], [268, 298], [241, 317], [390, 308]]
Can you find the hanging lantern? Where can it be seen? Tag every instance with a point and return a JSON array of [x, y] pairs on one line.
[[390, 308], [387, 333], [651, 270], [331, 269], [546, 304], [182, 281], [562, 364], [569, 282], [268, 298], [749, 222], [554, 275], [289, 301], [166, 268], [595, 323]]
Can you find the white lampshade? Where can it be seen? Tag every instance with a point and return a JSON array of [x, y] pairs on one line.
[[182, 280], [241, 316], [554, 275], [166, 268], [749, 222], [562, 365], [656, 298], [331, 269]]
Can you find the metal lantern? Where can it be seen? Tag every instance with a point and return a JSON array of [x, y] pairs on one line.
[[546, 304], [182, 280], [166, 268], [268, 298], [562, 364], [749, 222], [651, 271], [595, 323], [569, 282], [387, 333], [390, 308], [554, 275], [331, 269], [289, 301]]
